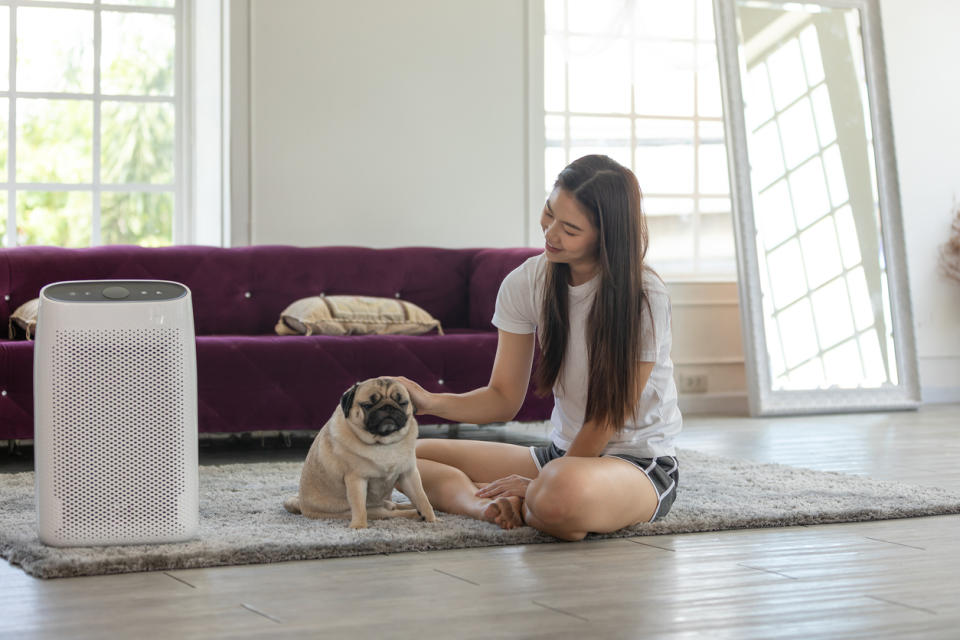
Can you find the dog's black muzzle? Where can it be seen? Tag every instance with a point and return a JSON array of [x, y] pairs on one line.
[[385, 419]]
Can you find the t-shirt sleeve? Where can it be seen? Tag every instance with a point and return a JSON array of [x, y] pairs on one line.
[[654, 335], [515, 310]]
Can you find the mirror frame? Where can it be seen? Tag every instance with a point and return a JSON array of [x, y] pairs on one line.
[[764, 400]]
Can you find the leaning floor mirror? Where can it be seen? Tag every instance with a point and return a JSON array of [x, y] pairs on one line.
[[824, 295]]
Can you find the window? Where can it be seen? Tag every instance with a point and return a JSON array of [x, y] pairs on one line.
[[89, 138], [638, 80]]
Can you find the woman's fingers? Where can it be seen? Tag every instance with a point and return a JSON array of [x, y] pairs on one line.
[[419, 396]]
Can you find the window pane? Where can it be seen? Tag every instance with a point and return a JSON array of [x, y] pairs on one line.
[[554, 84], [823, 113], [607, 136], [787, 263], [4, 48], [786, 74], [138, 53], [819, 244], [716, 238], [812, 61], [54, 141], [665, 79], [145, 3], [709, 101], [3, 219], [671, 242], [659, 19], [799, 342], [831, 309], [597, 16], [713, 159], [809, 190], [553, 15], [138, 143], [599, 74], [555, 158], [705, 30], [715, 205], [54, 50], [136, 218], [773, 206], [759, 101], [665, 156], [766, 156], [60, 218], [798, 133], [4, 132]]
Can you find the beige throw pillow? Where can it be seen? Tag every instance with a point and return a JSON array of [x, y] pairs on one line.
[[354, 315], [24, 319]]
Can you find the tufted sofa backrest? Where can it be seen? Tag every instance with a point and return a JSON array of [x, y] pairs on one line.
[[242, 290]]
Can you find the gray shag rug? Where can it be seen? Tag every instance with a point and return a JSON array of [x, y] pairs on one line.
[[242, 520]]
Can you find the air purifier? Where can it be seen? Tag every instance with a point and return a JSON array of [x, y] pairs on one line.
[[115, 410]]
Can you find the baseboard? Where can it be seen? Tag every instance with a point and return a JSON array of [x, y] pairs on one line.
[[729, 403], [940, 395]]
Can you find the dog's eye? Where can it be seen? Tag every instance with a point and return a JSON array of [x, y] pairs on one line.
[[374, 399], [366, 405]]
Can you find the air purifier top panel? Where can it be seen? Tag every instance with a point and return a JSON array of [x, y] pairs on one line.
[[114, 291]]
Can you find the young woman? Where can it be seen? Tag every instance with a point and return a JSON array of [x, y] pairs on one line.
[[603, 320]]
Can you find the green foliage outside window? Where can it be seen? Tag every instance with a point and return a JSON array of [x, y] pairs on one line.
[[137, 145]]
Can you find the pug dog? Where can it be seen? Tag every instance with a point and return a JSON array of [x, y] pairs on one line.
[[364, 450]]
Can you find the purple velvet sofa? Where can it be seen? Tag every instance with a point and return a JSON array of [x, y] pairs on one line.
[[250, 379]]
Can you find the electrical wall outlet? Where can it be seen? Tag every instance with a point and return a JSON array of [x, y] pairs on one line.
[[692, 383]]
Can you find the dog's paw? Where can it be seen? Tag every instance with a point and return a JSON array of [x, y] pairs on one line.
[[358, 524], [430, 516]]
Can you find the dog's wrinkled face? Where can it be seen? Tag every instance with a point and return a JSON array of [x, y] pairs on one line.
[[379, 409]]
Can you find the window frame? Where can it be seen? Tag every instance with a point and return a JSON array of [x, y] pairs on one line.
[[536, 147], [180, 100]]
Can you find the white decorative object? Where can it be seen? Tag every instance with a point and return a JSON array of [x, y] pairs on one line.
[[115, 392]]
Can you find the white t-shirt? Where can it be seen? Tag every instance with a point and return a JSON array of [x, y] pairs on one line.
[[658, 418]]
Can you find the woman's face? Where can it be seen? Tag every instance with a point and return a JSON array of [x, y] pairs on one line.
[[569, 234]]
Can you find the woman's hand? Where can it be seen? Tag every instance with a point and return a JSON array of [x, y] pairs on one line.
[[512, 485], [421, 398]]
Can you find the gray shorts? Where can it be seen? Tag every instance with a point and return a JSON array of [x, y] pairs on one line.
[[663, 472]]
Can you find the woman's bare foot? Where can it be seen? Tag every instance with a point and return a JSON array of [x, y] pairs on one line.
[[506, 512]]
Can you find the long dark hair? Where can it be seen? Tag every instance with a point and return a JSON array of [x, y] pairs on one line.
[[610, 194]]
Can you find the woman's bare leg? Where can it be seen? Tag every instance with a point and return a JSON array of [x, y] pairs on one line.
[[575, 496], [452, 470]]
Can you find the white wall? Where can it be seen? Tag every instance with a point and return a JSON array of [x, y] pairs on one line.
[[384, 123], [922, 48]]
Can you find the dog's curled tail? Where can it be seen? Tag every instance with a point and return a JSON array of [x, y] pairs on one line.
[[292, 504]]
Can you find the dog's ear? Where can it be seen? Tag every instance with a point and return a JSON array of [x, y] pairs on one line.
[[346, 400]]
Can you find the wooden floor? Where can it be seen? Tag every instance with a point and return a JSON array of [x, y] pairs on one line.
[[889, 579]]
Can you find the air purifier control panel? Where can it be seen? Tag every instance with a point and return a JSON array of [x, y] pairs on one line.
[[115, 291]]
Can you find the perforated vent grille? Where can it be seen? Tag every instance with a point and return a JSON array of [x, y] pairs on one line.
[[118, 433]]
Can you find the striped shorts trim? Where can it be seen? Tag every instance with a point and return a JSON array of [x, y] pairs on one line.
[[662, 471]]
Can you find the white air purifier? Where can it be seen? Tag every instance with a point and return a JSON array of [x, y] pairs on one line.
[[115, 411]]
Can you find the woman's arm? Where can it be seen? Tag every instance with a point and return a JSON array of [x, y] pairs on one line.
[[499, 401], [592, 438]]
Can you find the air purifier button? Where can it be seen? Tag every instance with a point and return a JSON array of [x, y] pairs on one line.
[[116, 293]]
